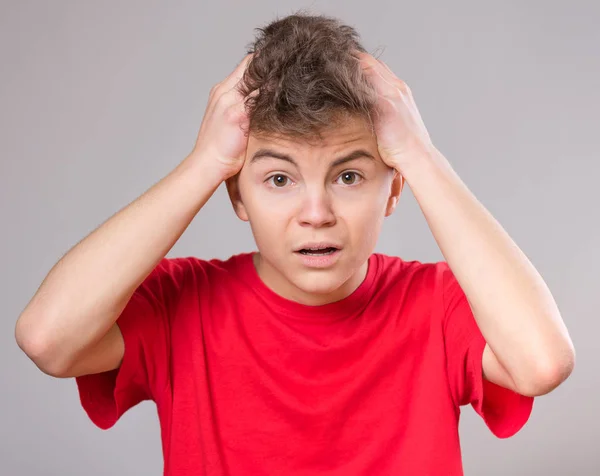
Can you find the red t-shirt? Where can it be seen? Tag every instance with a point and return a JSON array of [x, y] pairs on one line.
[[247, 382]]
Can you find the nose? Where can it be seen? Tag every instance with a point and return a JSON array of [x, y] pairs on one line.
[[316, 209]]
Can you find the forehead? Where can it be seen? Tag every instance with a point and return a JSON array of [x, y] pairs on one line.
[[352, 131]]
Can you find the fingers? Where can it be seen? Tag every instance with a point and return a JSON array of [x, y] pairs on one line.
[[385, 66], [237, 73], [374, 66], [225, 92], [376, 74]]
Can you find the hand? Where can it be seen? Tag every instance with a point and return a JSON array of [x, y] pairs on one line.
[[401, 134], [222, 139]]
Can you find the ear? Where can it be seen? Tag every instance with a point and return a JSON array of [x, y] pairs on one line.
[[395, 191], [233, 189]]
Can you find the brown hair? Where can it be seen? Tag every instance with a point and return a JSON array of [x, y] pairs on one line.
[[306, 76]]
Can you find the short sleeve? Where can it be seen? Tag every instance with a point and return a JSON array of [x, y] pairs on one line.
[[145, 326], [504, 411]]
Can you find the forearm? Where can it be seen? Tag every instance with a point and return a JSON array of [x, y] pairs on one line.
[[85, 291], [512, 305]]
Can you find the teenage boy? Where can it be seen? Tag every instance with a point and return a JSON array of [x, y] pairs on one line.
[[313, 355]]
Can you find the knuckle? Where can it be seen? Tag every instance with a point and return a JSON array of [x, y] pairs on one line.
[[215, 89], [404, 87], [232, 112], [223, 99]]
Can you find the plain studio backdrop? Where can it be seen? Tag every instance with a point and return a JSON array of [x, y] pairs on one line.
[[100, 100]]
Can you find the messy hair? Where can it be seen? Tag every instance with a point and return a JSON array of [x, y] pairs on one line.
[[306, 76]]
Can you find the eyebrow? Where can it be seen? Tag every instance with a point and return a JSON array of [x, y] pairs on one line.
[[265, 152]]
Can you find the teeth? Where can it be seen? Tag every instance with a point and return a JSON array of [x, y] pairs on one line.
[[318, 251]]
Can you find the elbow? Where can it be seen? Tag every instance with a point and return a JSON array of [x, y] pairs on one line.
[[549, 375], [41, 351]]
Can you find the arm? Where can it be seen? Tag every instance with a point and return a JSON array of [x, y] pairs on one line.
[[528, 347], [70, 321], [69, 326]]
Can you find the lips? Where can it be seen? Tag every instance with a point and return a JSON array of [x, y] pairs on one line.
[[319, 256], [323, 252], [318, 248]]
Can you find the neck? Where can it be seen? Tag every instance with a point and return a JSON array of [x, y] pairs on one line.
[[282, 286]]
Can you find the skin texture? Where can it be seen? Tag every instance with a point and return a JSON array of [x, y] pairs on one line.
[[289, 205]]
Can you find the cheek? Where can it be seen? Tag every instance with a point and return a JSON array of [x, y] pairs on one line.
[[268, 218], [265, 204], [367, 204], [363, 215], [364, 222], [271, 211]]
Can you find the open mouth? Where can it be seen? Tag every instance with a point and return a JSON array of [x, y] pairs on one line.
[[318, 251]]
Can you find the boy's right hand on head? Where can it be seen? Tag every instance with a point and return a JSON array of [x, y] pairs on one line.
[[222, 139]]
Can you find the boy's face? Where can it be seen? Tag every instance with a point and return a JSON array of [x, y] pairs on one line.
[[315, 199]]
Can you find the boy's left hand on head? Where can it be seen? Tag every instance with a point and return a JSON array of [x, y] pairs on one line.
[[402, 137]]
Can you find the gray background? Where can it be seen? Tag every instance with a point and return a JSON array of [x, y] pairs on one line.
[[99, 100]]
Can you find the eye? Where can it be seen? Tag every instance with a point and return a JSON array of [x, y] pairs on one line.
[[350, 178], [278, 180]]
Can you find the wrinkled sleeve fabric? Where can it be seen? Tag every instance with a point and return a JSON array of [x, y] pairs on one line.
[[144, 370], [504, 411]]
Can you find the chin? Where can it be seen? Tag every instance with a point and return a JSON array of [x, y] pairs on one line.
[[321, 283]]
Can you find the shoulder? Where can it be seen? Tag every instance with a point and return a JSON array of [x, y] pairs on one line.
[[186, 269], [419, 275], [423, 285]]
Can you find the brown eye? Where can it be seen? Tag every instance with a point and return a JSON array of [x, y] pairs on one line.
[[279, 180], [349, 178]]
